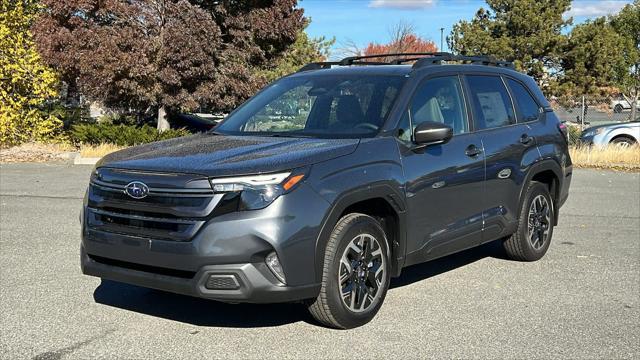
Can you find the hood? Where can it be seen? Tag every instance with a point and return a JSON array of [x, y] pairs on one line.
[[612, 126], [220, 155]]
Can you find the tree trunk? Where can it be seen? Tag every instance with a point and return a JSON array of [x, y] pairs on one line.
[[163, 123], [634, 105], [632, 99]]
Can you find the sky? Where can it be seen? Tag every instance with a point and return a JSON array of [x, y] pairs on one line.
[[362, 21]]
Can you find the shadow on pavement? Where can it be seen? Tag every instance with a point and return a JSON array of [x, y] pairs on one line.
[[436, 267], [201, 312], [196, 311]]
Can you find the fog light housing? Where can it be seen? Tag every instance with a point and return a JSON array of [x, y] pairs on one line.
[[273, 263], [222, 282]]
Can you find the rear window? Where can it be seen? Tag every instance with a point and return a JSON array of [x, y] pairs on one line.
[[491, 102], [529, 109]]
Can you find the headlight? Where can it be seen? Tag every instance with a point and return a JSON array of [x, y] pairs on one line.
[[593, 132], [257, 191]]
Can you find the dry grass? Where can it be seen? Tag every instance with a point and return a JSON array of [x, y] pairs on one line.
[[40, 152], [36, 152], [611, 157], [98, 151]]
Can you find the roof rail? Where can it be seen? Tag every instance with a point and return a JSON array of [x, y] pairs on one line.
[[421, 59], [328, 64], [477, 60], [351, 59]]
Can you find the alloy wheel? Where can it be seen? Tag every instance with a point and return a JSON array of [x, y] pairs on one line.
[[539, 222], [361, 274]]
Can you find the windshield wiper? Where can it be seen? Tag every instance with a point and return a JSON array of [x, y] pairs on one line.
[[287, 135]]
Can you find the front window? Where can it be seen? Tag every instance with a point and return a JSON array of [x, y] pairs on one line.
[[318, 106], [436, 100]]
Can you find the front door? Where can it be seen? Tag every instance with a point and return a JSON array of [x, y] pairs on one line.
[[444, 183]]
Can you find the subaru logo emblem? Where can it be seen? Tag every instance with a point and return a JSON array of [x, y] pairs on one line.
[[137, 190]]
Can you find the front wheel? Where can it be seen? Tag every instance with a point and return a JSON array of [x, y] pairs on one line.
[[535, 225], [623, 141], [355, 275]]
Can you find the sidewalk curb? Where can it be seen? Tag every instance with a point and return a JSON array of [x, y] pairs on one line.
[[79, 160]]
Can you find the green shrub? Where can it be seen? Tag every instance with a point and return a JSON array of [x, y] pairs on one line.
[[121, 135], [69, 115], [119, 119], [573, 134]]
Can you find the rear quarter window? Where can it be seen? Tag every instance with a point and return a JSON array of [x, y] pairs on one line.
[[528, 107]]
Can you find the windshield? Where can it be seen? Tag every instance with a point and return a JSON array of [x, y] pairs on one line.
[[334, 106]]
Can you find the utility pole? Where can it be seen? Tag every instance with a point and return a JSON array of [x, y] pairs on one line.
[[442, 39]]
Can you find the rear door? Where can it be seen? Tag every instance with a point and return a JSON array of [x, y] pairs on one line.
[[510, 148], [444, 183]]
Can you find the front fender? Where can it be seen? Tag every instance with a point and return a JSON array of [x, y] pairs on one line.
[[632, 131], [380, 191], [352, 179]]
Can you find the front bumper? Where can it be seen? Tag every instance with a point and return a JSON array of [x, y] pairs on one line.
[[234, 244], [594, 140], [586, 140], [254, 282]]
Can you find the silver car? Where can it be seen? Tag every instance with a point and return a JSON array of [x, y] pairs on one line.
[[621, 134]]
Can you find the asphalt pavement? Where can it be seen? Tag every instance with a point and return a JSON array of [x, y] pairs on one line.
[[582, 300]]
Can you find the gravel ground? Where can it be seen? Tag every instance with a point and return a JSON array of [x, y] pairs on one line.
[[582, 300]]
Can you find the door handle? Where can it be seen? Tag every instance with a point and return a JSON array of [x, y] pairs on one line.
[[526, 139], [473, 151]]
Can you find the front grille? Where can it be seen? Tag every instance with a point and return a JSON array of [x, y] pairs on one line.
[[142, 226], [174, 208], [119, 195]]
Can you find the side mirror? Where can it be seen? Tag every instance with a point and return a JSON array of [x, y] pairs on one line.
[[432, 133]]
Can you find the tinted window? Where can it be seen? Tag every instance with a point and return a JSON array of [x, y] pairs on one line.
[[322, 106], [491, 102], [440, 100], [529, 109]]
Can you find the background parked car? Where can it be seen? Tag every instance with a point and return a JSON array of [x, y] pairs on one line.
[[196, 122], [622, 134], [620, 105]]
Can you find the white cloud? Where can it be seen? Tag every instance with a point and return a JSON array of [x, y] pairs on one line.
[[595, 8], [402, 4]]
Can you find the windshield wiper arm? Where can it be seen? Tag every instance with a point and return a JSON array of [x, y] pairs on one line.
[[288, 135]]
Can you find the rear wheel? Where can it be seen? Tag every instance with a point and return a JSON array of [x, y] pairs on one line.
[[618, 109], [535, 225], [355, 276]]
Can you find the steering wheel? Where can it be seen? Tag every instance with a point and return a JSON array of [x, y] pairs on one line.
[[366, 125]]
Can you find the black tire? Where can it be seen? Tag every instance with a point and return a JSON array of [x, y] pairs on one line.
[[618, 109], [525, 244], [623, 141], [329, 308]]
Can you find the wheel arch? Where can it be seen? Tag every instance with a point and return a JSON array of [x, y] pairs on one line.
[[379, 201], [547, 172], [628, 136]]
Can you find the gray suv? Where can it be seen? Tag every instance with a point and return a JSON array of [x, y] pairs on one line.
[[330, 181]]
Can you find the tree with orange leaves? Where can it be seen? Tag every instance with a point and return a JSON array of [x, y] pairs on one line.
[[403, 40]]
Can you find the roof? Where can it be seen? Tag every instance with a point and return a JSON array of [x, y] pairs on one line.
[[366, 64], [401, 70]]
